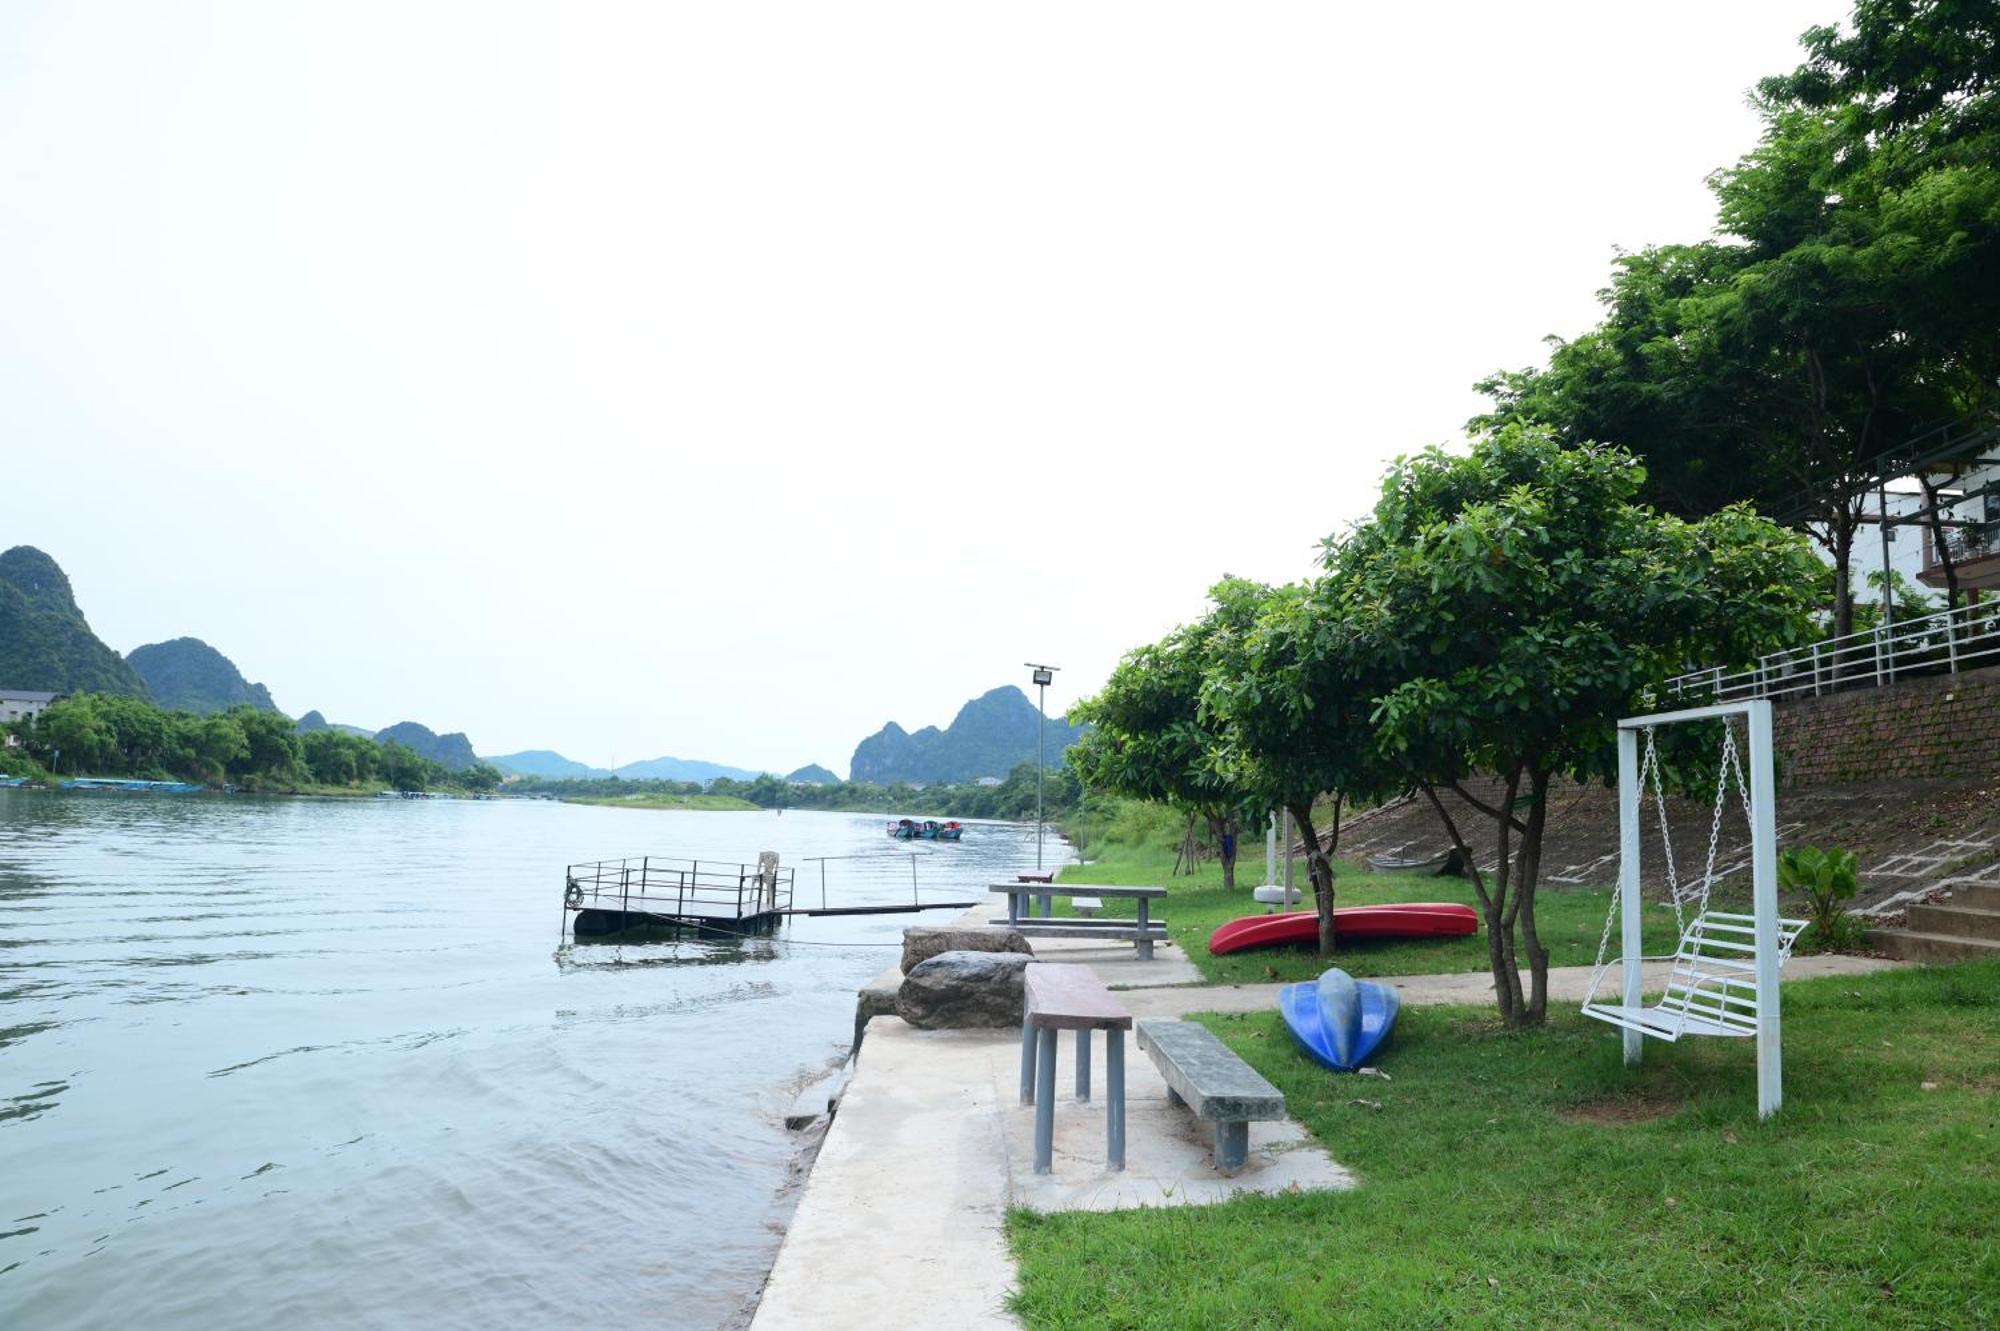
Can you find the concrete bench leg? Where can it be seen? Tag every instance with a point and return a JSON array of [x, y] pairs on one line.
[[1232, 1145], [1083, 1067], [1174, 1098], [1045, 1101], [1114, 1108], [1027, 1062]]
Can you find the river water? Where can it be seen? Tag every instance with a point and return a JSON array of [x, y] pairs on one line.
[[321, 1063]]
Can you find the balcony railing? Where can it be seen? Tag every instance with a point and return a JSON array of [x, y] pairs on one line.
[[1944, 643]]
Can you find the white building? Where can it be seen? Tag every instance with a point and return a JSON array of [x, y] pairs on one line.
[[1965, 476], [22, 705]]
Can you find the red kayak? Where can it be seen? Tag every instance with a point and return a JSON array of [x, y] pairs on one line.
[[1400, 919]]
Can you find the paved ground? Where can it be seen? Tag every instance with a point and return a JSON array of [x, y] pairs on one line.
[[931, 1146]]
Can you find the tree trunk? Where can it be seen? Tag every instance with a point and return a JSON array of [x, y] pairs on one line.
[[1940, 542], [1526, 881], [1225, 831], [1319, 868], [1841, 529], [1493, 908]]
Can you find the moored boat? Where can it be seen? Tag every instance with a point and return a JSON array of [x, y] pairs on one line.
[[1398, 919], [1338, 1019], [951, 831]]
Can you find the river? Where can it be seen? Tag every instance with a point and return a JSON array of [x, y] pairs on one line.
[[322, 1063]]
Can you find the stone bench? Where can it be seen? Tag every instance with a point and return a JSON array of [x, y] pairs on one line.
[[1086, 905], [1070, 998], [1207, 1077]]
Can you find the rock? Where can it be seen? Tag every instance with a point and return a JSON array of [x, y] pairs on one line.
[[961, 989], [926, 941]]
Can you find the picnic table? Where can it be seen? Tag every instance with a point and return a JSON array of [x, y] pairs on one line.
[[1144, 931], [1058, 997]]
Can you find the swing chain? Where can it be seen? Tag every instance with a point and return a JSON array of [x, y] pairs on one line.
[[1650, 765]]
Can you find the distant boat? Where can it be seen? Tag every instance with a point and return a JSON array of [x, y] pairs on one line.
[[129, 784], [951, 831], [904, 829]]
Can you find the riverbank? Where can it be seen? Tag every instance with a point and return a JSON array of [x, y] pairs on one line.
[[1647, 1197], [706, 803]]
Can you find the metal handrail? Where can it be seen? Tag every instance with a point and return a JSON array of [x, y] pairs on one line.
[[653, 884], [1947, 641]]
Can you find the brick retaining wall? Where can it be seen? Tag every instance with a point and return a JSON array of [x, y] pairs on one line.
[[1944, 727]]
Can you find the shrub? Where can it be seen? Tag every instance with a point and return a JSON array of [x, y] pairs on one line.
[[1827, 879]]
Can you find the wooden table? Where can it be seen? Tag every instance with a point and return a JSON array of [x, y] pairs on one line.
[[1070, 998], [1144, 931]]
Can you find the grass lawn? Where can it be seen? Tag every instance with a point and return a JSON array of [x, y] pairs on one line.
[[1571, 919], [1528, 1179]]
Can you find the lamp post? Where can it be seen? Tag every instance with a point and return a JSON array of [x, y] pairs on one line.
[[1044, 675]]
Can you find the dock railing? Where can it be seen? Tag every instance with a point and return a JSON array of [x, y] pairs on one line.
[[1947, 642], [678, 889]]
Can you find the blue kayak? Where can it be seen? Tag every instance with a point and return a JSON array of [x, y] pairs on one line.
[[1340, 1020]]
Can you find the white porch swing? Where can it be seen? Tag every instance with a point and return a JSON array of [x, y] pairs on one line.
[[1724, 978]]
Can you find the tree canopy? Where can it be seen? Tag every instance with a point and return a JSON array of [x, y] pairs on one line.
[[1506, 606]]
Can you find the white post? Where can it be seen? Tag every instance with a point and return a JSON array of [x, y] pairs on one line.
[[1630, 947], [1764, 895], [1291, 896], [1271, 848]]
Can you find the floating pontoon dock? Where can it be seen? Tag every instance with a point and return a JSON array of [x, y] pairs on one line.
[[613, 896]]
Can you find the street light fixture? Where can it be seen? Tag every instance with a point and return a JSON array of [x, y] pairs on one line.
[[1044, 675]]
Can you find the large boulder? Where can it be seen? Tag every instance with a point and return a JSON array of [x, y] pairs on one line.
[[959, 989], [924, 941]]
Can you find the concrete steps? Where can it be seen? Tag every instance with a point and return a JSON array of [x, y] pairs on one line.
[[1965, 928]]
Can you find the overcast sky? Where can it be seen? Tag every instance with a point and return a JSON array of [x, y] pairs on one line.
[[724, 380]]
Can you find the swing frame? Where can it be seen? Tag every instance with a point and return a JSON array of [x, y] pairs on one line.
[[1763, 880]]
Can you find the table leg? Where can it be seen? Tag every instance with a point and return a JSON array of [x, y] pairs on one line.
[[1083, 1067], [1027, 1062], [1145, 951], [1013, 908], [1045, 1101], [1048, 906], [1114, 1108]]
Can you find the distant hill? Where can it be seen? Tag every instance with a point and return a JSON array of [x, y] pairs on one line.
[[313, 720], [990, 736], [454, 750], [189, 674], [812, 774], [682, 769], [45, 642], [548, 765]]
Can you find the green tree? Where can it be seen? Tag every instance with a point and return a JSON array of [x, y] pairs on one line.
[[404, 768], [480, 777], [1151, 738], [73, 735], [1288, 696], [1852, 306], [1507, 606]]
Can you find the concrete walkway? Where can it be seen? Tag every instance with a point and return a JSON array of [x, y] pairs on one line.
[[901, 1223], [1567, 984]]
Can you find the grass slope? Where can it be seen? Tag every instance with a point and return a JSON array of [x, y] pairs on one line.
[[1571, 919], [1528, 1179]]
